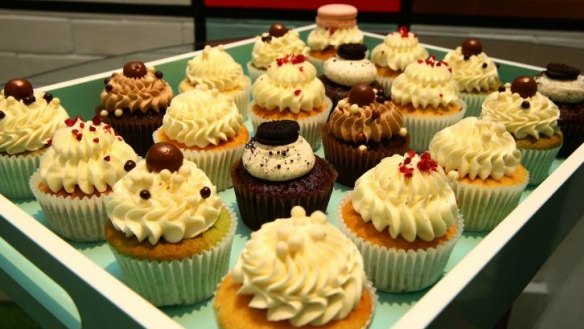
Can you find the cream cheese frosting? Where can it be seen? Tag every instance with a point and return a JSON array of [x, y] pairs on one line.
[[476, 148], [87, 155], [27, 128], [425, 83], [477, 73], [175, 209], [290, 84], [540, 118], [265, 52], [349, 72], [321, 38], [301, 269], [215, 68], [563, 91], [409, 196], [397, 50], [201, 117]]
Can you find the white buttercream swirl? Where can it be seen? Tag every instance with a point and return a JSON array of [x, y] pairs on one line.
[[175, 210], [349, 72], [301, 269], [421, 206], [476, 148], [396, 52], [29, 127], [471, 74], [87, 155], [201, 117], [215, 68], [321, 38], [563, 91], [265, 52]]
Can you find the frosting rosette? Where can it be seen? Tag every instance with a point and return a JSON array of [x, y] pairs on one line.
[[265, 52], [170, 205], [29, 127], [476, 73], [409, 196], [532, 116], [425, 83], [476, 149], [321, 38], [301, 269], [397, 50], [215, 68], [349, 72], [290, 84], [87, 155], [201, 117]]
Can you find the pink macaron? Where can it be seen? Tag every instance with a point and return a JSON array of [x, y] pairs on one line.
[[336, 16]]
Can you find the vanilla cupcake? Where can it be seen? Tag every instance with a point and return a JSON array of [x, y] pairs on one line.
[[394, 54], [532, 119], [207, 127], [404, 219], [216, 69], [475, 73], [290, 90], [427, 95], [28, 121], [482, 160]]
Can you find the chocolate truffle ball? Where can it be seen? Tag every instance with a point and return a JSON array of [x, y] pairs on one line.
[[524, 86], [163, 156], [18, 88], [471, 47], [135, 69], [361, 94], [279, 132], [277, 30]]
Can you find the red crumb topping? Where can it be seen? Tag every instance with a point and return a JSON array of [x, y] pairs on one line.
[[107, 158], [301, 69], [293, 59], [96, 120], [49, 142], [297, 92], [426, 164], [403, 31], [70, 122], [96, 140], [431, 61], [82, 125], [92, 128]]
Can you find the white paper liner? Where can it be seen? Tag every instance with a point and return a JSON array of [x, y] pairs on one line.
[[318, 64], [538, 162], [81, 220], [423, 128], [254, 72], [216, 163], [179, 282], [15, 172], [485, 207], [309, 126], [398, 270], [474, 103], [385, 82]]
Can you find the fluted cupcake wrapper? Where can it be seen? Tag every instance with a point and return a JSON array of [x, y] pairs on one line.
[[15, 172], [318, 64], [474, 103], [398, 270], [179, 282], [538, 162], [309, 126], [77, 219], [241, 99], [254, 72], [386, 83]]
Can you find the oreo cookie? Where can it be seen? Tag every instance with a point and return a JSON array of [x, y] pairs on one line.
[[560, 71], [275, 133], [352, 51]]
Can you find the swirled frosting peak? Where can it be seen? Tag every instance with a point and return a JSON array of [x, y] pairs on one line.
[[170, 205], [476, 148], [397, 50], [85, 155], [290, 84], [321, 38], [29, 127], [425, 83], [201, 117], [476, 73], [215, 68], [267, 48], [409, 196], [301, 269]]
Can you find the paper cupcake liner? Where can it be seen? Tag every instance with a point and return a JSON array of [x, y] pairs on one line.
[[398, 270], [538, 162], [309, 126], [422, 129], [318, 64], [241, 98], [15, 172], [254, 72], [474, 103], [573, 137], [179, 282], [385, 83], [135, 131], [76, 219]]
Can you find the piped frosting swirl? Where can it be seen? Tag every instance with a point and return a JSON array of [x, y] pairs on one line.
[[321, 38], [215, 68], [476, 73], [265, 52], [397, 50]]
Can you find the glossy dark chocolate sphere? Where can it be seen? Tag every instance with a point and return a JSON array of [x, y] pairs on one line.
[[524, 86], [361, 94], [471, 47], [135, 69], [277, 30], [18, 88], [163, 156]]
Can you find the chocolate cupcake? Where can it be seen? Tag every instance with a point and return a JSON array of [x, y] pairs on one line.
[[277, 172]]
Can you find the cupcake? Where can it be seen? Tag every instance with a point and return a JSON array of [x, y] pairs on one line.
[[348, 68], [207, 127], [336, 24], [564, 85], [134, 102], [278, 42], [391, 57], [76, 175], [296, 272], [215, 68], [532, 119], [475, 73], [168, 229], [363, 129], [482, 160], [290, 90], [278, 170], [404, 220], [28, 121], [427, 95]]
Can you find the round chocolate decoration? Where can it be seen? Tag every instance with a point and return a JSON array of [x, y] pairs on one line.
[[525, 105], [18, 88], [352, 51], [501, 89], [278, 29], [471, 47], [29, 100], [48, 97], [560, 71], [524, 86], [2, 115], [129, 165], [159, 74], [205, 192], [163, 156], [280, 132], [145, 194], [135, 69], [361, 94]]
